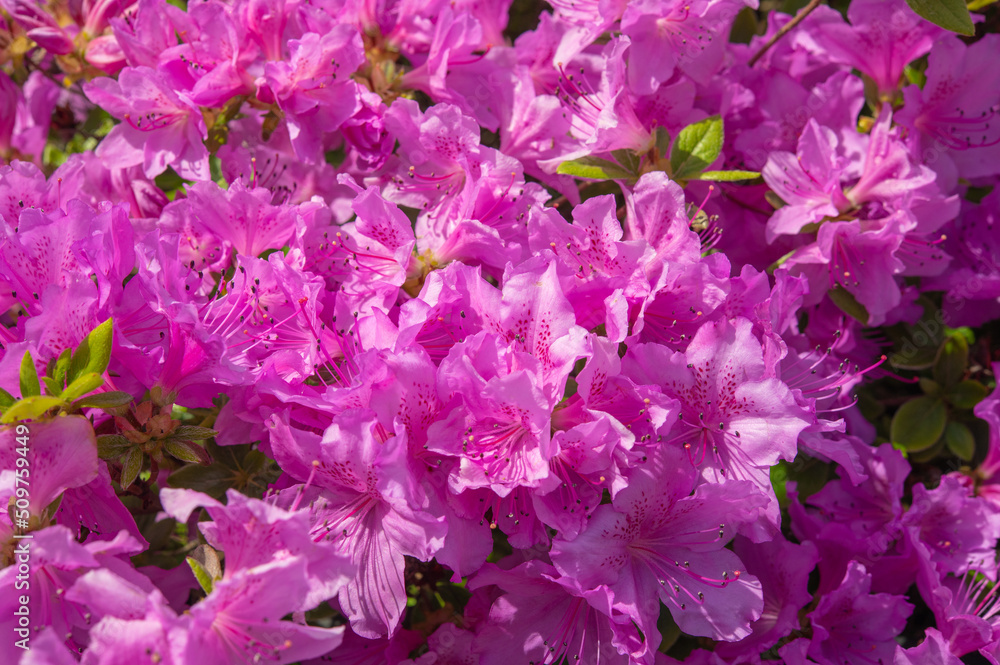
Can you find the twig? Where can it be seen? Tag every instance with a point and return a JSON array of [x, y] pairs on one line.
[[788, 27]]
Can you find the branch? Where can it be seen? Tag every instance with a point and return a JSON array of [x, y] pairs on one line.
[[788, 27]]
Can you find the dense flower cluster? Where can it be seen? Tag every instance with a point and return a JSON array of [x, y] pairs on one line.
[[435, 332]]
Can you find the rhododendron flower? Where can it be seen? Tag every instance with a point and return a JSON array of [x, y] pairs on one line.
[[658, 541], [160, 126]]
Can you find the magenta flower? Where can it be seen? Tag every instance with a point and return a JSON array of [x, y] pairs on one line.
[[884, 36], [854, 626], [540, 619], [313, 88], [61, 454], [160, 126], [366, 501], [783, 569], [954, 115], [674, 33], [254, 533], [658, 541], [241, 620], [959, 530], [497, 424], [735, 421]]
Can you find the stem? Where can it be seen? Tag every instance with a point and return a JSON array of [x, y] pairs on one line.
[[788, 27]]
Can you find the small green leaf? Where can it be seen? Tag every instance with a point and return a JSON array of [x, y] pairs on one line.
[[967, 394], [108, 400], [112, 446], [628, 160], [6, 399], [915, 76], [779, 477], [919, 423], [952, 359], [949, 14], [930, 387], [848, 304], [774, 200], [696, 147], [51, 387], [169, 181], [29, 377], [192, 433], [976, 5], [93, 354], [60, 369], [928, 454], [662, 141], [186, 451], [744, 27], [239, 467], [204, 579], [84, 384], [964, 331], [593, 168], [209, 559], [215, 166], [727, 176], [131, 466], [960, 441], [809, 474], [213, 480], [30, 408]]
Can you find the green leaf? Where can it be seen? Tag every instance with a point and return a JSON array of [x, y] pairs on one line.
[[779, 478], [628, 160], [169, 181], [930, 387], [131, 466], [952, 359], [186, 451], [928, 454], [112, 446], [727, 176], [6, 399], [108, 400], [29, 377], [593, 168], [60, 369], [86, 383], [213, 479], [696, 147], [30, 408], [192, 433], [848, 304], [916, 346], [967, 394], [204, 579], [949, 14], [93, 354], [774, 200], [239, 467], [209, 559], [744, 27], [809, 474], [51, 387], [662, 141], [960, 441], [919, 423], [215, 165]]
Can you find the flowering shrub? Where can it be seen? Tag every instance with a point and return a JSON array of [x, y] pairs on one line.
[[487, 332]]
